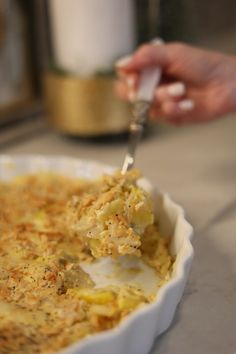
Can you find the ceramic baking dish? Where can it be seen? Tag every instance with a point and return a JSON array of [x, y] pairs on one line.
[[136, 333]]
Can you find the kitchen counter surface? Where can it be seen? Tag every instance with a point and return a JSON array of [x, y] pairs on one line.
[[196, 165]]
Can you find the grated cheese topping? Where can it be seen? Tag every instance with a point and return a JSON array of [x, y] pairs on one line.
[[49, 224]]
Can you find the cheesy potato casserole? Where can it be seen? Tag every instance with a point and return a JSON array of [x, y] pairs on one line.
[[49, 226]]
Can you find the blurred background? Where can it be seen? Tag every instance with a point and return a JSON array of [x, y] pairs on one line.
[[56, 57], [56, 98]]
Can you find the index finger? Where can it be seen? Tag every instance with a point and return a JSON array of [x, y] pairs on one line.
[[146, 55]]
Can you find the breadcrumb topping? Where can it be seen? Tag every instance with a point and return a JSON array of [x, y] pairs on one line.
[[112, 215], [49, 224]]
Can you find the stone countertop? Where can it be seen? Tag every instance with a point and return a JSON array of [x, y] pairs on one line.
[[196, 165]]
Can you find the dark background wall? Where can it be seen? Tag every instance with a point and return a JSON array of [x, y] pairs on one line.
[[209, 23]]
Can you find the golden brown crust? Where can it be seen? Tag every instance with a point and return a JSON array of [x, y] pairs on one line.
[[111, 217], [47, 301]]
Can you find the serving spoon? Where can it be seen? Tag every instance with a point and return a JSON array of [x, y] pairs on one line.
[[149, 79]]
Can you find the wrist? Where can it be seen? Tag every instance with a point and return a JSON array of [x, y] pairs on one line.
[[227, 72], [230, 102]]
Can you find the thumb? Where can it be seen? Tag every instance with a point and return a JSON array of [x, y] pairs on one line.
[[144, 56]]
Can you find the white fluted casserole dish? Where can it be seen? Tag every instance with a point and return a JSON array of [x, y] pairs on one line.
[[136, 333]]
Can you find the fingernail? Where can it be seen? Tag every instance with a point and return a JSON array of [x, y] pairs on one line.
[[157, 41], [177, 89], [123, 61], [130, 81], [186, 105]]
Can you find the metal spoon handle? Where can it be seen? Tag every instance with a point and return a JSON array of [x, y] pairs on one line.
[[149, 79]]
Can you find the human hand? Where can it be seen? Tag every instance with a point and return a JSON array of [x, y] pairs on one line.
[[197, 85]]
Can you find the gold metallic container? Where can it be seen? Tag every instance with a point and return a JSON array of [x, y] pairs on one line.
[[85, 107]]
